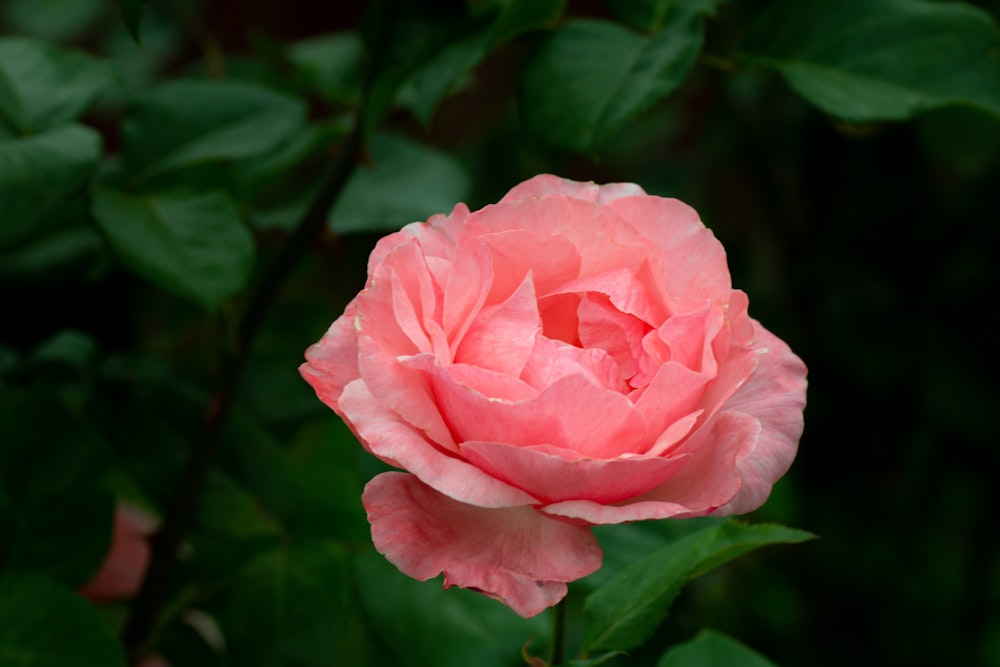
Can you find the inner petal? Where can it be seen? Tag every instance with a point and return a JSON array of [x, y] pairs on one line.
[[603, 326]]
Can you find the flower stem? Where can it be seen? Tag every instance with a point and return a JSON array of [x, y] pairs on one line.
[[559, 632]]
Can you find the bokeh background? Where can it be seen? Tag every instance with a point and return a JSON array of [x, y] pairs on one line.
[[870, 247]]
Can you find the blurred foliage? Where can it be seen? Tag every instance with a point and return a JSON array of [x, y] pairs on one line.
[[154, 157]]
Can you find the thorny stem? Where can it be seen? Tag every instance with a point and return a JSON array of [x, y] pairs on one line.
[[142, 620]]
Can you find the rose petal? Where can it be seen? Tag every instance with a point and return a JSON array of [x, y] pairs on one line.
[[624, 289], [776, 396], [502, 336], [572, 413], [707, 480], [675, 392], [547, 184], [604, 327], [402, 390], [552, 260], [554, 475], [693, 261], [604, 241], [394, 441], [417, 300], [515, 555], [332, 363], [437, 237], [552, 360]]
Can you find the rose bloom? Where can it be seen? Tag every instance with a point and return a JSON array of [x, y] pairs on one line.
[[570, 356]]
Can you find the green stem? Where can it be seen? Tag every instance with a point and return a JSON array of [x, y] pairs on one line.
[[142, 620], [559, 633]]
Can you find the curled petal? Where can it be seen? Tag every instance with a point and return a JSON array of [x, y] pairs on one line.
[[554, 475], [515, 555], [693, 261], [707, 480], [332, 363], [394, 441], [776, 396], [547, 184]]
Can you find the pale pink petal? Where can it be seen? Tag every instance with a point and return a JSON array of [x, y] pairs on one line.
[[547, 184], [552, 360], [603, 240], [469, 281], [572, 414], [402, 391], [552, 260], [492, 384], [693, 261], [553, 475], [624, 289], [332, 363], [502, 336], [417, 300], [776, 396], [604, 327], [689, 337], [399, 444], [437, 237], [707, 480], [674, 393], [515, 555]]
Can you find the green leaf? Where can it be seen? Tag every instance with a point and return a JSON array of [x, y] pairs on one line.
[[288, 606], [712, 649], [652, 15], [189, 122], [406, 182], [624, 612], [873, 61], [43, 624], [38, 172], [132, 11], [191, 244], [324, 458], [61, 21], [55, 506], [442, 73], [331, 64], [421, 623], [42, 85], [590, 78], [602, 659]]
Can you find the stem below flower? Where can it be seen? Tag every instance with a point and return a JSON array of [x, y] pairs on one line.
[[559, 632]]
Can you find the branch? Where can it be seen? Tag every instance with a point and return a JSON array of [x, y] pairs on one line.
[[146, 606]]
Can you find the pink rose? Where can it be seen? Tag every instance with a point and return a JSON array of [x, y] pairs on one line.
[[573, 355], [124, 566]]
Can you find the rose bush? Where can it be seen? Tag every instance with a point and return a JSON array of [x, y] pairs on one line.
[[570, 356]]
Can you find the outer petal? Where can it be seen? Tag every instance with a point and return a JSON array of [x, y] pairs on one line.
[[776, 396], [332, 363], [554, 475], [547, 184], [394, 441], [694, 262], [708, 479], [515, 555], [572, 413]]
